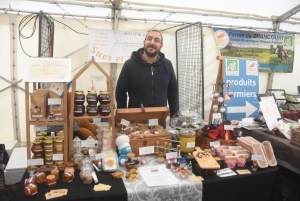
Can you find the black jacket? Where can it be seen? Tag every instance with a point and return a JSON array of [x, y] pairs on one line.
[[152, 91]]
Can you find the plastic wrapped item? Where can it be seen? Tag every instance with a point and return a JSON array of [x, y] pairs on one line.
[[31, 179], [241, 161], [110, 161], [76, 144], [187, 119], [87, 170], [230, 162]]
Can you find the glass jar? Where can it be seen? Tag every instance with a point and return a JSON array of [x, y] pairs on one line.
[[59, 151], [175, 166], [187, 136], [37, 147], [30, 189], [69, 167], [104, 97], [79, 98], [55, 172], [31, 179], [68, 177], [91, 98], [104, 110], [40, 177], [59, 143], [79, 110], [91, 109], [50, 180], [60, 163]]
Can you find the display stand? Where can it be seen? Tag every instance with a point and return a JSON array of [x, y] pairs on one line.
[[30, 122], [85, 116]]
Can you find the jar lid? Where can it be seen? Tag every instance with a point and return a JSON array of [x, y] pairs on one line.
[[48, 141], [92, 92], [36, 142], [104, 92], [58, 140], [51, 177], [79, 91], [42, 133]]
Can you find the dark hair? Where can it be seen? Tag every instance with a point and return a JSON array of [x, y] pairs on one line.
[[154, 30]]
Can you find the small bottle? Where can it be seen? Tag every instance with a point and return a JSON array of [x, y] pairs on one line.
[[30, 189], [40, 177], [190, 168], [68, 177], [178, 151], [50, 180], [55, 172], [168, 165], [157, 147]]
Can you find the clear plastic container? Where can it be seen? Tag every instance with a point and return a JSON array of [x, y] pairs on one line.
[[110, 161]]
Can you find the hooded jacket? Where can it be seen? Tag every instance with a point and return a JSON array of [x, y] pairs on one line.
[[153, 88]]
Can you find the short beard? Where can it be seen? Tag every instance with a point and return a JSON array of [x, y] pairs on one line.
[[149, 54]]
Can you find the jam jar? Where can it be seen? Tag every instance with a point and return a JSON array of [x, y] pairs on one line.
[[91, 98], [104, 110], [104, 97], [79, 98], [31, 189], [68, 177], [40, 177], [50, 180], [91, 109], [79, 110], [55, 172], [69, 167], [37, 147]]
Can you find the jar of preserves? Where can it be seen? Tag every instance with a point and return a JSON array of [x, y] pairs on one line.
[[59, 143], [69, 167], [104, 110], [104, 97], [31, 189], [79, 110], [37, 147], [50, 180], [79, 98], [40, 177], [91, 98], [68, 177], [91, 109]]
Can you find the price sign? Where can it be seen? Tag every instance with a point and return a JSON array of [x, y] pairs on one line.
[[214, 144], [34, 162], [228, 127], [125, 122], [216, 115], [153, 122], [171, 155], [58, 157], [146, 150], [256, 157], [54, 101], [190, 144]]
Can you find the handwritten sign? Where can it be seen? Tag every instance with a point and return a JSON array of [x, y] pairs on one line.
[[256, 157], [146, 150], [34, 162], [125, 122], [171, 155], [58, 157], [214, 144]]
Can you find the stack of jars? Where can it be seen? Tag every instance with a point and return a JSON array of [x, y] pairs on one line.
[[91, 99], [79, 99], [104, 100], [48, 146], [37, 148], [58, 149]]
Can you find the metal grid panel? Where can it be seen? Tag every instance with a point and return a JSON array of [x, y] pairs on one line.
[[189, 49]]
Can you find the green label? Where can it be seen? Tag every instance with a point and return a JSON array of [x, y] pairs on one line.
[[287, 41], [232, 65]]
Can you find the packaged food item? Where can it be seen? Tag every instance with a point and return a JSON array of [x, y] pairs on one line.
[[40, 177], [30, 189], [175, 166], [110, 161], [68, 177], [51, 180], [55, 172], [69, 167], [31, 179]]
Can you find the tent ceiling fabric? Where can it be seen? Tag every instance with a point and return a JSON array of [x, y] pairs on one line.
[[234, 13]]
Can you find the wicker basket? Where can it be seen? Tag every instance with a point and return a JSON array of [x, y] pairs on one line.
[[247, 143], [295, 136]]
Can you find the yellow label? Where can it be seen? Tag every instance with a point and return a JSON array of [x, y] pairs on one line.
[[198, 178]]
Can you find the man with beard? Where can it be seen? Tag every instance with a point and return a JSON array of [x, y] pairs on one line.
[[148, 78]]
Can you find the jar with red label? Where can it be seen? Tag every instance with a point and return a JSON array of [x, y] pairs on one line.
[[91, 98], [30, 189], [91, 110], [79, 110], [40, 177], [79, 98], [68, 177], [104, 97], [50, 180], [104, 110]]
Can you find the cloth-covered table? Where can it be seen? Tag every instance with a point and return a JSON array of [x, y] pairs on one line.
[[186, 190]]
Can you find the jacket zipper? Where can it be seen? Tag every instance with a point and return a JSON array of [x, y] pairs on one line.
[[152, 70]]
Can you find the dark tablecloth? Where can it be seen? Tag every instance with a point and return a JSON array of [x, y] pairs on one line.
[[282, 147], [77, 190]]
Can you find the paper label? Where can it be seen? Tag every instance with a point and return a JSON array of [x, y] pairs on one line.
[[146, 150], [243, 171], [89, 143], [54, 101], [256, 157], [99, 78], [34, 162], [95, 177], [214, 144], [198, 178], [228, 127], [57, 87], [216, 115], [58, 157], [153, 122], [125, 122], [99, 156], [40, 128], [190, 144], [171, 155]]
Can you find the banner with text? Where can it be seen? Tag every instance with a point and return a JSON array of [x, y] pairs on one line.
[[111, 46], [243, 76], [274, 51]]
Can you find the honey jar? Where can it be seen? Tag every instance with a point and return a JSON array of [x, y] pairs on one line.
[[104, 97], [104, 110], [91, 109], [69, 167], [37, 147], [79, 98], [79, 110], [55, 172], [58, 151], [91, 98], [30, 189], [68, 177], [40, 177], [50, 180]]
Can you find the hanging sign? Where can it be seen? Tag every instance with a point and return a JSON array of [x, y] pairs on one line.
[[111, 46], [242, 74], [274, 51]]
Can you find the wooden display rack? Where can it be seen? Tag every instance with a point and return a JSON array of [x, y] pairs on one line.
[[85, 116], [30, 122]]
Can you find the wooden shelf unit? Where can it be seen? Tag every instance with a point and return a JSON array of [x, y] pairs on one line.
[[30, 122], [71, 102]]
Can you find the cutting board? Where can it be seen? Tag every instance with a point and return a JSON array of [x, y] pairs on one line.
[[205, 159]]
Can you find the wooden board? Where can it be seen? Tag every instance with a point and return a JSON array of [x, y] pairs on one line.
[[205, 159]]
